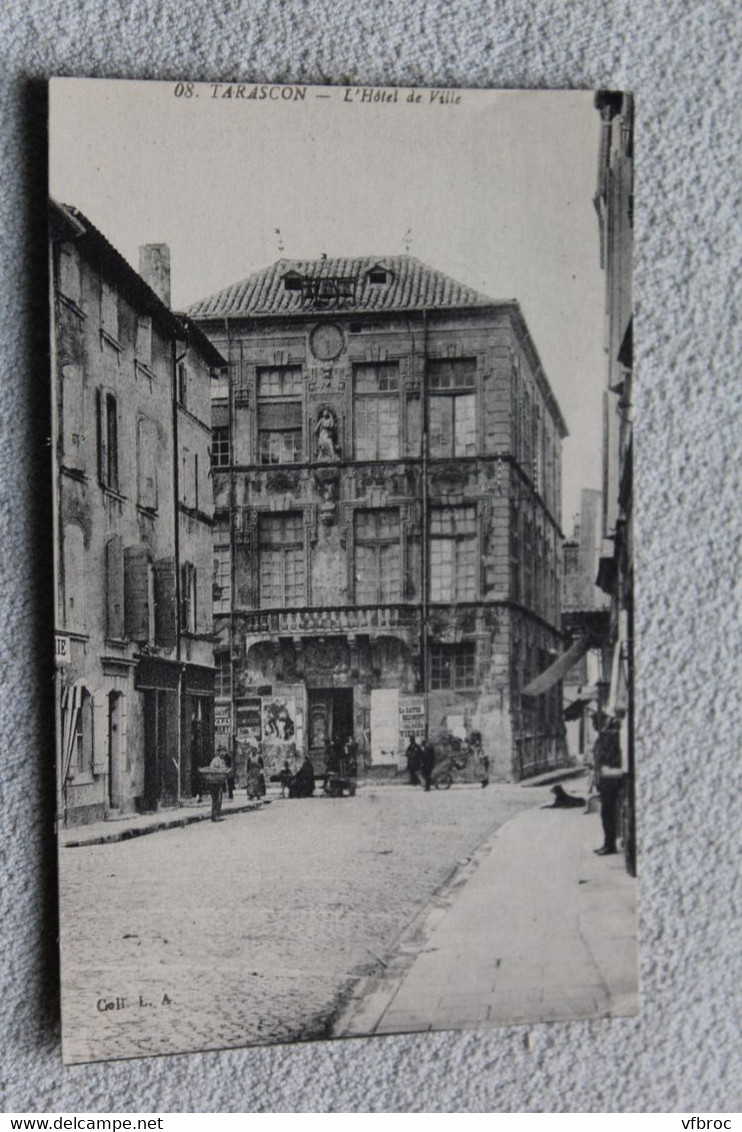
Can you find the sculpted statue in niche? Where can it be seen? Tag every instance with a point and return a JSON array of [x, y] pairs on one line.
[[326, 432]]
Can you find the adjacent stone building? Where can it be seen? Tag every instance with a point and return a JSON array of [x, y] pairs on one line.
[[584, 613], [386, 470], [133, 521], [614, 202]]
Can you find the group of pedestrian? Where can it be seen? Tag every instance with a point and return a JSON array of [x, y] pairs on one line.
[[420, 762]]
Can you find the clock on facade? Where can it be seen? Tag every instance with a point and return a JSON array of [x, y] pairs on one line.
[[326, 342]]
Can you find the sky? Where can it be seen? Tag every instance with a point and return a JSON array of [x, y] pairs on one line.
[[494, 189]]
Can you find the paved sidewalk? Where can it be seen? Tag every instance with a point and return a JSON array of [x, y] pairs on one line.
[[136, 825], [534, 928]]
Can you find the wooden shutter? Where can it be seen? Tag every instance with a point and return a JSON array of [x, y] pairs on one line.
[[136, 593], [100, 732], [115, 588], [100, 413], [204, 601], [72, 417], [165, 603], [147, 459]]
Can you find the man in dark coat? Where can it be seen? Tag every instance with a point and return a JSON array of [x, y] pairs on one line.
[[412, 754], [303, 783], [427, 762], [216, 787], [607, 754]]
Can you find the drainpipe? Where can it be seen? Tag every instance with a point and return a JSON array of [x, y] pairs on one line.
[[177, 358], [424, 524], [232, 554]]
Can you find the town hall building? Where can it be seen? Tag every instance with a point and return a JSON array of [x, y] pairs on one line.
[[386, 468]]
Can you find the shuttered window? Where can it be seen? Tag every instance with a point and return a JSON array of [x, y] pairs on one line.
[[73, 418], [147, 446], [115, 588], [144, 340], [69, 274], [165, 603], [109, 310], [138, 595], [73, 538]]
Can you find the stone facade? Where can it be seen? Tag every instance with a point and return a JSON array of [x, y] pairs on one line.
[[125, 658], [387, 518]]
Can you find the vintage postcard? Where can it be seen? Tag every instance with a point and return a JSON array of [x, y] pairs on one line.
[[341, 399]]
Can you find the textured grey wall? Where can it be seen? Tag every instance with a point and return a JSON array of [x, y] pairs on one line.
[[683, 61]]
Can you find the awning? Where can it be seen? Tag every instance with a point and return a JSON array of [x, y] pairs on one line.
[[556, 671]]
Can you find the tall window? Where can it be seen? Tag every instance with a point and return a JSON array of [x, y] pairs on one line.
[[377, 411], [220, 447], [223, 676], [108, 440], [377, 556], [453, 554], [453, 666], [452, 405], [279, 415], [222, 567], [282, 569]]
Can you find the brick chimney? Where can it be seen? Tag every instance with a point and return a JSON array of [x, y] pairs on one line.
[[154, 268]]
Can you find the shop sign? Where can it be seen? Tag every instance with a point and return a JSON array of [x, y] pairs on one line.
[[222, 718], [62, 650], [411, 718]]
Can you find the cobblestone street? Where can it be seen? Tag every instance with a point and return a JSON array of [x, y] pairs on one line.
[[251, 931]]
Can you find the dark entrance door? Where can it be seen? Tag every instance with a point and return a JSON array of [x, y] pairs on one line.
[[151, 760], [160, 749], [330, 718]]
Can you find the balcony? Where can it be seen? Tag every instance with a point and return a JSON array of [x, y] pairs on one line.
[[399, 620]]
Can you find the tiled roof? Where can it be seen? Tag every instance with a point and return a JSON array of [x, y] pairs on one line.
[[411, 285]]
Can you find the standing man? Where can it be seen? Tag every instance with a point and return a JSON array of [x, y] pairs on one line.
[[216, 787], [608, 767], [227, 760], [413, 754], [427, 762]]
